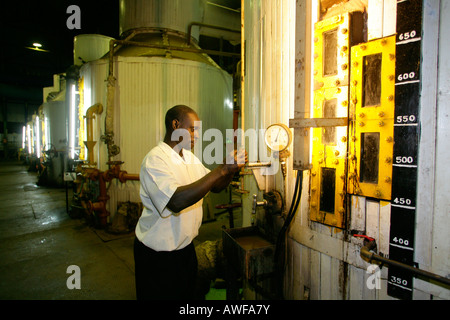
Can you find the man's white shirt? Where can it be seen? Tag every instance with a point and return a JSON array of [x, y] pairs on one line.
[[162, 171]]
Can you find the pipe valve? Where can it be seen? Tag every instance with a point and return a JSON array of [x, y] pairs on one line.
[[255, 204]]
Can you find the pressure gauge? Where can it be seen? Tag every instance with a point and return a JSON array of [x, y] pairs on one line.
[[278, 137]]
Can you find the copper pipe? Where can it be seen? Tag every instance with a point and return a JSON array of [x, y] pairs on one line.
[[90, 116]]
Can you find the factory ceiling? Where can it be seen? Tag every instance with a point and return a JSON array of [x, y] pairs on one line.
[[24, 71]]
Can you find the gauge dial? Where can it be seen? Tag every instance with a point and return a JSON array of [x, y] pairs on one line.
[[278, 137]]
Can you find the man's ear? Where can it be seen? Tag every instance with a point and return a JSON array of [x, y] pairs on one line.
[[175, 124]]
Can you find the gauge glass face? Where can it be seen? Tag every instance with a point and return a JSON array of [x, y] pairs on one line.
[[277, 137]]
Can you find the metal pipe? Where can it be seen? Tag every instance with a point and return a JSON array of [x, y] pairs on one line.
[[366, 252], [258, 164], [207, 26]]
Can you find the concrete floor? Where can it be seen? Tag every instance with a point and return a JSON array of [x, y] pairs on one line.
[[39, 241]]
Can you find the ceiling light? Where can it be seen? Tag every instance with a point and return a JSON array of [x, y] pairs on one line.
[[37, 44]]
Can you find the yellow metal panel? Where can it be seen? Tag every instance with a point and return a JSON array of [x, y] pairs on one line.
[[376, 119], [331, 52], [329, 151]]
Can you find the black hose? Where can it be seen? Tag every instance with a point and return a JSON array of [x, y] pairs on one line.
[[279, 264]]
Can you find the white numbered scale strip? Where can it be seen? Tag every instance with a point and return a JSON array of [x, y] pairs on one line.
[[404, 169]]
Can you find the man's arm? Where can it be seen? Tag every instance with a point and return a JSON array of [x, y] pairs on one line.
[[186, 196]]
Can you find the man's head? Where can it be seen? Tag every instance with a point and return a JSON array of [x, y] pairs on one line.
[[182, 117]]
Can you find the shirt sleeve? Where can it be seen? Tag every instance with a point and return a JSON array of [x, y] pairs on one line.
[[159, 183]]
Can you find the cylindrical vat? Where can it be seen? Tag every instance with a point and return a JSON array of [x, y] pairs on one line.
[[162, 14], [89, 47]]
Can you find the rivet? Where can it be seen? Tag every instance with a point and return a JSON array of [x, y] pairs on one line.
[[343, 176], [341, 210], [354, 82], [313, 204], [313, 174], [313, 189], [392, 56], [344, 30], [321, 84], [391, 97], [381, 114], [363, 47], [316, 55], [353, 138], [391, 77], [388, 160], [355, 101], [378, 193], [320, 152], [353, 158], [338, 90], [342, 194], [345, 103], [361, 124], [315, 72], [316, 39], [361, 115], [337, 82], [383, 42], [344, 48], [336, 161], [387, 179], [381, 123], [389, 139], [344, 139], [336, 153], [320, 161], [355, 64], [344, 66]]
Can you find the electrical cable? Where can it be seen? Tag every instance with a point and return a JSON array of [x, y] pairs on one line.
[[281, 236]]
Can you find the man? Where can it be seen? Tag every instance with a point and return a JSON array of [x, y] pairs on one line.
[[173, 183]]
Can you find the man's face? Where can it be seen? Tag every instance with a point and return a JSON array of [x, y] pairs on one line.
[[189, 123]]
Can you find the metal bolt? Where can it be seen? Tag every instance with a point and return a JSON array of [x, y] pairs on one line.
[[361, 115], [353, 138], [391, 77], [389, 139], [361, 124], [378, 193], [355, 64], [391, 97], [363, 47], [392, 56], [345, 103], [381, 123], [387, 179], [344, 66], [337, 82], [388, 160], [381, 114], [344, 139], [336, 153]]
